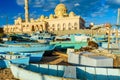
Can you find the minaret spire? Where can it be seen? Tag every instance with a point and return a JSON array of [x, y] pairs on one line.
[[26, 11]]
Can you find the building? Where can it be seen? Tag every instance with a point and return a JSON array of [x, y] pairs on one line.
[[61, 20]]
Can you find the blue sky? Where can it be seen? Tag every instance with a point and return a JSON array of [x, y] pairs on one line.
[[97, 11]]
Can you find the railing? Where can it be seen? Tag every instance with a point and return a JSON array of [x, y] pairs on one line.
[[9, 57]]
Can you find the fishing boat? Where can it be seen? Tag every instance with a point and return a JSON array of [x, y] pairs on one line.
[[62, 72], [24, 60], [22, 57], [30, 47], [15, 59], [71, 41], [42, 37], [34, 57], [40, 72]]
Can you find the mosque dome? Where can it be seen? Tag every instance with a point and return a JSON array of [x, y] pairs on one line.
[[60, 10]]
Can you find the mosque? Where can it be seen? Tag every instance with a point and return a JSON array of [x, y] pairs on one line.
[[60, 20]]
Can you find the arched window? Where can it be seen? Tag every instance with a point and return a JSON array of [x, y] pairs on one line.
[[69, 26], [36, 28], [58, 27], [33, 29], [64, 26], [75, 26], [53, 26], [40, 27]]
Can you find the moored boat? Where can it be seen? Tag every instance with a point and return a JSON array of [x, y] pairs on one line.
[[62, 72], [40, 72], [42, 37], [25, 47], [33, 57], [24, 60], [71, 41]]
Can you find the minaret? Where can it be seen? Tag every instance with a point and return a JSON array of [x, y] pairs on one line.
[[26, 11], [118, 17]]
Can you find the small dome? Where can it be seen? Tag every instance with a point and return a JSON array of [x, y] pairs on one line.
[[72, 14], [108, 25], [19, 18], [46, 17], [59, 6], [51, 16], [92, 23], [42, 17], [31, 20], [60, 10]]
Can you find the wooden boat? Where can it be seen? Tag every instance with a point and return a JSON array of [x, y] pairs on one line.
[[33, 57], [62, 72], [25, 47]]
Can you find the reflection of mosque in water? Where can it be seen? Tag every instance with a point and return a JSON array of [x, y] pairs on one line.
[[61, 20]]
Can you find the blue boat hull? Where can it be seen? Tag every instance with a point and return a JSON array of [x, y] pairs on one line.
[[4, 64], [34, 57], [20, 61], [26, 48]]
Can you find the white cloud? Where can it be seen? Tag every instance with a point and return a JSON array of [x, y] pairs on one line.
[[20, 2], [18, 15], [37, 3], [101, 11], [76, 4], [33, 15], [118, 1], [2, 16], [63, 0], [114, 1]]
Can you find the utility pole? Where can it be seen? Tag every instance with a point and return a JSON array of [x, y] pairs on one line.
[[118, 24], [7, 22]]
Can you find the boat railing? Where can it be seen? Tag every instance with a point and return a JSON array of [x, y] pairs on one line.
[[9, 57]]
